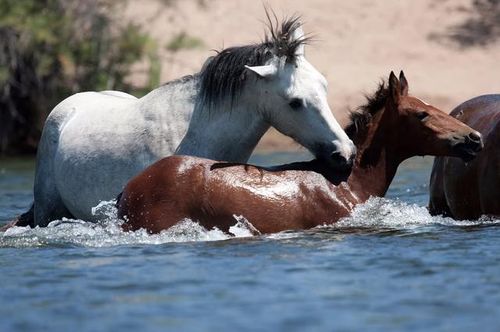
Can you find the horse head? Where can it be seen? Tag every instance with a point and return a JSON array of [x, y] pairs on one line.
[[422, 129], [292, 96]]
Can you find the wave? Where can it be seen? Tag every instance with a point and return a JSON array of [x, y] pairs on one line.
[[375, 214], [389, 213]]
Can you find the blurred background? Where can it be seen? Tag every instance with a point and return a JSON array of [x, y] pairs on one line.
[[50, 49]]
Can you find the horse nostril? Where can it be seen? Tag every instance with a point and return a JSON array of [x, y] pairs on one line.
[[338, 158], [350, 162], [475, 137], [341, 161]]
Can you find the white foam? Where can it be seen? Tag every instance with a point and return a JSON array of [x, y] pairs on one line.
[[243, 228], [108, 232], [386, 213], [377, 213]]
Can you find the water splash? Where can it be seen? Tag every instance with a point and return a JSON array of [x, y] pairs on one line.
[[387, 213], [376, 214], [107, 232], [243, 228]]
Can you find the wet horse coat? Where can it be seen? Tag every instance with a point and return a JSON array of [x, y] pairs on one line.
[[469, 190], [390, 128]]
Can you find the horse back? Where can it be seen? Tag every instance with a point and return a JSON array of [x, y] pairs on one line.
[[213, 193], [481, 113]]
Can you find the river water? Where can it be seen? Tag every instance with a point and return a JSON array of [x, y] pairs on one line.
[[389, 267]]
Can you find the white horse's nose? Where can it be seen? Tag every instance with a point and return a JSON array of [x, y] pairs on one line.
[[346, 150], [343, 158], [340, 161]]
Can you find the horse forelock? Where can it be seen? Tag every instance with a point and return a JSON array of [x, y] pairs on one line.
[[361, 117], [282, 36], [224, 75]]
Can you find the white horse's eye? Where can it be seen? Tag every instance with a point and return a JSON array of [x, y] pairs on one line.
[[296, 103]]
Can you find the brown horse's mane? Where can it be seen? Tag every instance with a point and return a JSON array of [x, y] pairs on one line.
[[362, 116]]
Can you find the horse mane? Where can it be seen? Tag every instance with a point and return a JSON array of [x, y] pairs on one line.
[[224, 75], [360, 118], [180, 80]]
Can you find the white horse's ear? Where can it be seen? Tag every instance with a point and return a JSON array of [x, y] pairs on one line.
[[263, 71], [298, 34]]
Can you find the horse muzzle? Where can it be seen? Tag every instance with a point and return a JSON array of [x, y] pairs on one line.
[[341, 163], [340, 159], [468, 147]]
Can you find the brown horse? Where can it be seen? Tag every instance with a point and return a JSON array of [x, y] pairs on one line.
[[392, 127], [469, 190]]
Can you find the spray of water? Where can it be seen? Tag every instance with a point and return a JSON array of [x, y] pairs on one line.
[[386, 213], [108, 232], [376, 213]]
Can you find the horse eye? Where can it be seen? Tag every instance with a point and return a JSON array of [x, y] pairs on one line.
[[422, 115], [296, 103]]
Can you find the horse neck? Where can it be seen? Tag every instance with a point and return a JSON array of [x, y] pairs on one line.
[[377, 160], [224, 133], [168, 110]]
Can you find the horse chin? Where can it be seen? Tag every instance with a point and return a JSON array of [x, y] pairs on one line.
[[467, 157], [467, 150], [465, 153], [341, 171]]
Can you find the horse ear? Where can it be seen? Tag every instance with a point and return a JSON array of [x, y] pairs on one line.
[[404, 84], [394, 87], [297, 35], [263, 71]]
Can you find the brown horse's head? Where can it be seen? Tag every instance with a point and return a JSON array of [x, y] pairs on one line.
[[422, 129]]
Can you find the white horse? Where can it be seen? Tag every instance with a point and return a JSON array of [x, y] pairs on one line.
[[94, 142]]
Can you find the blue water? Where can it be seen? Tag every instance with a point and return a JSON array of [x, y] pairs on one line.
[[389, 267]]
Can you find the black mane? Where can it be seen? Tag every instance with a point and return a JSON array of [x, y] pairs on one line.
[[224, 74], [363, 115]]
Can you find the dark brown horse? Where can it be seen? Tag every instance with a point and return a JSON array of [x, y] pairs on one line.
[[392, 127], [469, 190]]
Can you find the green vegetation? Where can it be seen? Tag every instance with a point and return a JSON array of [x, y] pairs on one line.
[[183, 41], [50, 49]]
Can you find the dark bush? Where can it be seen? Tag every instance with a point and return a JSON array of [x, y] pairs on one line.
[[50, 49]]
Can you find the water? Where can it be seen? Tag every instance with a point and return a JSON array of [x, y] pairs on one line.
[[389, 267]]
